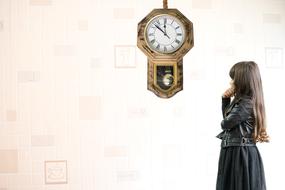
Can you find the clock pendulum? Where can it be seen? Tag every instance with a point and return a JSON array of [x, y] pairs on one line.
[[165, 36]]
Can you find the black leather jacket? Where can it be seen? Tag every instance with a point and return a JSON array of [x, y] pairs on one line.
[[237, 123]]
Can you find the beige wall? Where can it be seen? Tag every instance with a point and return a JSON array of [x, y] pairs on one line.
[[74, 105]]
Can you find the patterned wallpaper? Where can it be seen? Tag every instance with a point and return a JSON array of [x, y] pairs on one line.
[[75, 112]]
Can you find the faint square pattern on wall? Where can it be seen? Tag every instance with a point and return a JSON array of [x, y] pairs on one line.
[[11, 115], [197, 74], [274, 57], [28, 76], [124, 13], [272, 18], [9, 161], [127, 175], [178, 111], [90, 108], [225, 51], [40, 2], [125, 56], [202, 4], [83, 25], [171, 155], [1, 25], [237, 28], [64, 50], [56, 172], [96, 62], [116, 151], [42, 140], [136, 112]]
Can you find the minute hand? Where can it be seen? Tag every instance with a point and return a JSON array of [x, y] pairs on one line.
[[161, 31]]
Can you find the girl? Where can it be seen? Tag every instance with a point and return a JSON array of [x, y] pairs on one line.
[[240, 164]]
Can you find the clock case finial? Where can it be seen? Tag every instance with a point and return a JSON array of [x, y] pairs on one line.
[[165, 4]]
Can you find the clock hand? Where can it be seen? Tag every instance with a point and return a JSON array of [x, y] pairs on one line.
[[161, 31], [166, 35], [165, 31]]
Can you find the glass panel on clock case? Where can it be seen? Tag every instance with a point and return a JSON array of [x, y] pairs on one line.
[[164, 76]]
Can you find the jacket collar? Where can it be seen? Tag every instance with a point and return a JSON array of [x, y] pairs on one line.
[[234, 101]]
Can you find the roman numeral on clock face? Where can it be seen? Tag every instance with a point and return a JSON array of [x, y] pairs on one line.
[[177, 41]]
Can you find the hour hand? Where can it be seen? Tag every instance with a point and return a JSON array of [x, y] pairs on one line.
[[165, 32]]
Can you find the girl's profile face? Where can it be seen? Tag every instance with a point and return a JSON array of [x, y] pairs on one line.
[[232, 83]]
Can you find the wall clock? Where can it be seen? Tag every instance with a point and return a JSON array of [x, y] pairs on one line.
[[165, 36]]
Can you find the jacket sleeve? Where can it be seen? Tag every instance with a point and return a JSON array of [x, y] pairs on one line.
[[225, 103], [239, 113]]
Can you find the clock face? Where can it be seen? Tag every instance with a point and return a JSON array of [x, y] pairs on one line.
[[165, 34]]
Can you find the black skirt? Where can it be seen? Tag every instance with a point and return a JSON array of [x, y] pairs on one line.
[[240, 168]]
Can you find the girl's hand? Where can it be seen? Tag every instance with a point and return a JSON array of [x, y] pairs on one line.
[[230, 91]]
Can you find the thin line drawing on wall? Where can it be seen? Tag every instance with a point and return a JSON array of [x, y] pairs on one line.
[[125, 56], [274, 57], [56, 172]]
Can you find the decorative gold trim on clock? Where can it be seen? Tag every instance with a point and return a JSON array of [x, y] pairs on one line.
[[165, 89], [178, 78]]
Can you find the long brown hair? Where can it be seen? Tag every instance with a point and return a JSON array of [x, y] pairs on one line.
[[247, 82]]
